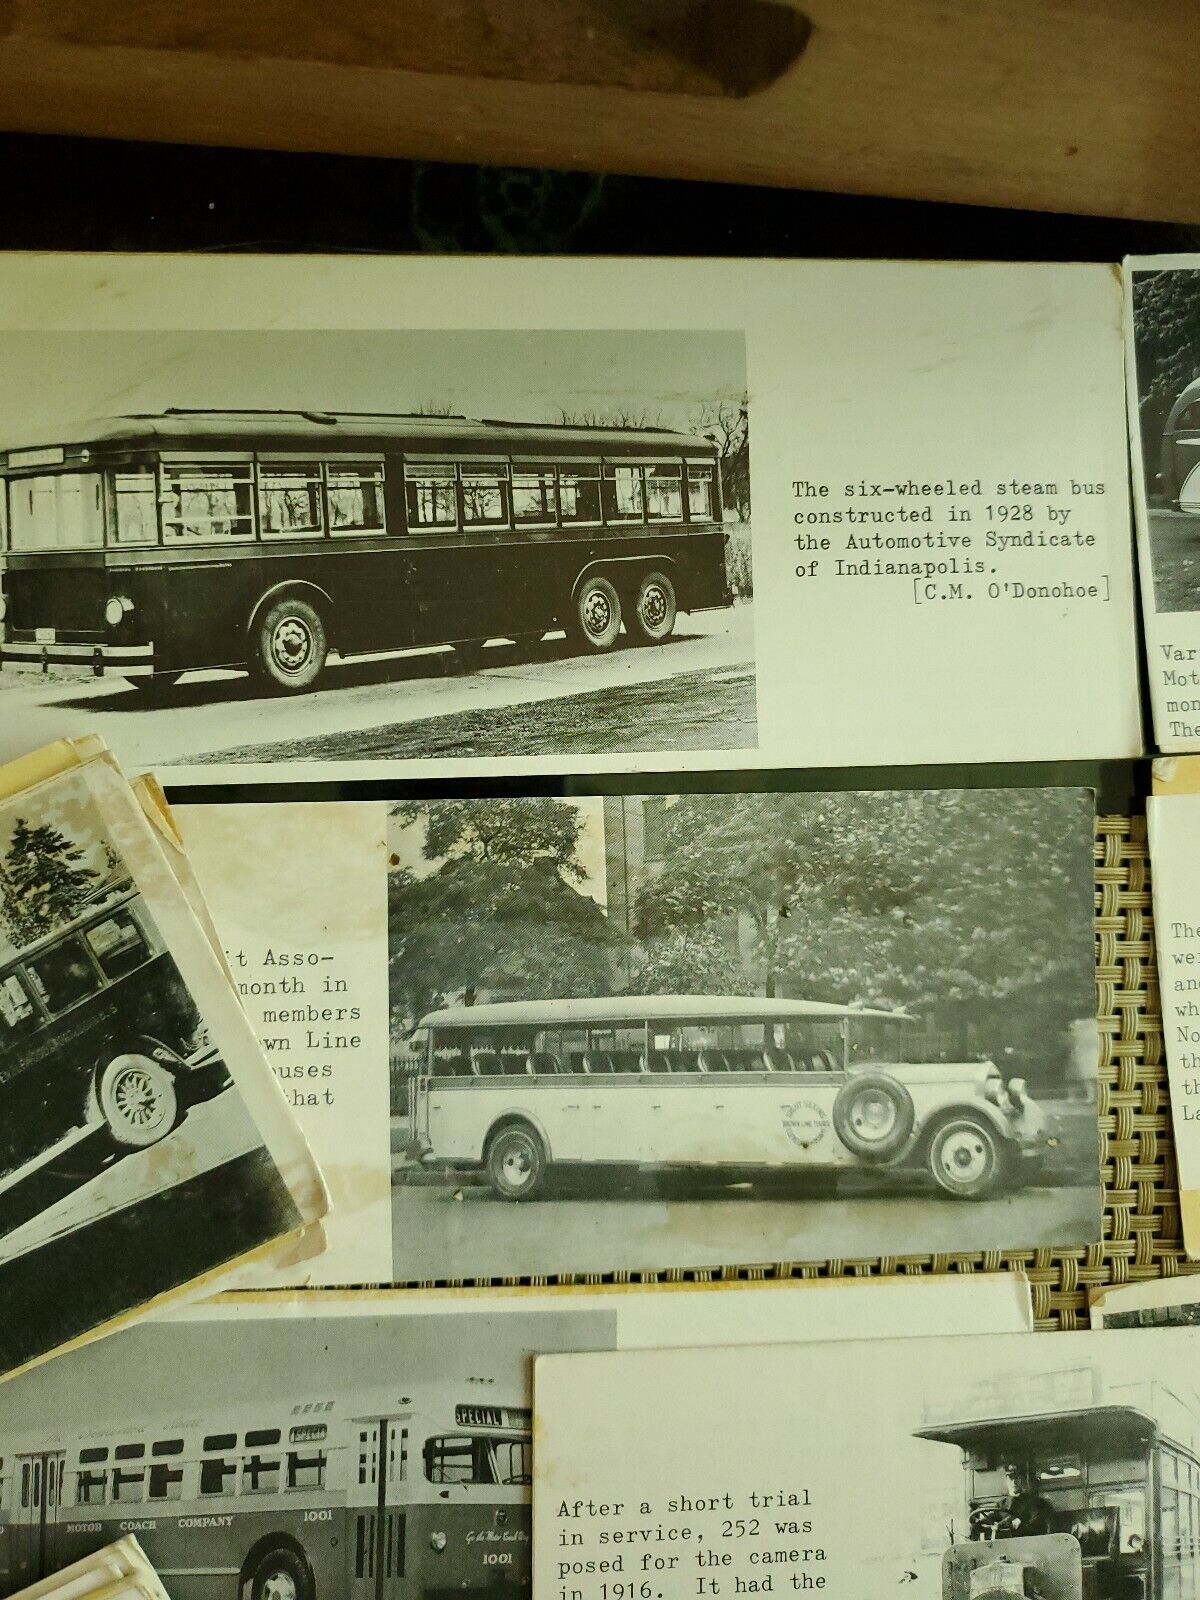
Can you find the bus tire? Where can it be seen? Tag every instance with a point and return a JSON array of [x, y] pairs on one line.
[[596, 622], [873, 1116], [280, 1574], [290, 645], [966, 1158], [515, 1162], [654, 609], [138, 1101]]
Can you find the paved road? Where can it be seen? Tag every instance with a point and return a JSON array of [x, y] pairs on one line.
[[92, 1179], [418, 704], [442, 1230]]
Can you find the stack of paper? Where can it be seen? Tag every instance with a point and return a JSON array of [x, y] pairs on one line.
[[118, 1572], [144, 1142]]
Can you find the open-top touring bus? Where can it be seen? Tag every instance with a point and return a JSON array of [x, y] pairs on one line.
[[97, 1031], [716, 1081], [379, 1497], [1098, 1501], [146, 546]]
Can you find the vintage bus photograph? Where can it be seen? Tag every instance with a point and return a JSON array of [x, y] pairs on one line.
[[328, 549], [118, 1117], [638, 1030], [1166, 332]]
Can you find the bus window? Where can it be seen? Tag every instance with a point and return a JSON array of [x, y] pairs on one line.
[[306, 1471], [137, 506], [430, 493], [61, 511], [260, 1474], [64, 976], [512, 1460], [623, 494], [18, 1015], [533, 497], [664, 494], [129, 1483], [118, 945], [91, 1481], [166, 1481], [355, 494], [700, 495], [289, 499], [485, 496], [579, 492], [455, 1460], [218, 1475], [207, 502]]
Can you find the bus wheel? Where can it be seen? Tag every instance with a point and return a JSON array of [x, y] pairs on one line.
[[516, 1162], [280, 1575], [654, 609], [966, 1159], [597, 614], [873, 1116], [137, 1100], [290, 646]]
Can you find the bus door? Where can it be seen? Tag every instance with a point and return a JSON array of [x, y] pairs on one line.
[[377, 1522], [34, 1525]]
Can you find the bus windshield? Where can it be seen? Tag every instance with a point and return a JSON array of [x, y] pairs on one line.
[[57, 511], [477, 1458]]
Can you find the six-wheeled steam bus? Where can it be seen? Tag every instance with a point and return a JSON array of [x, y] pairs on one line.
[[379, 1498], [1093, 1502], [146, 546]]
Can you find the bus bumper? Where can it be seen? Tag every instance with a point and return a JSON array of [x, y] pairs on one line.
[[105, 660]]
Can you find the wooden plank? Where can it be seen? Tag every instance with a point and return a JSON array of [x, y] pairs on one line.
[[1071, 105]]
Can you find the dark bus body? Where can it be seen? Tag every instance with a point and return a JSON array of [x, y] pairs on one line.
[[1112, 1512], [153, 545], [97, 1028]]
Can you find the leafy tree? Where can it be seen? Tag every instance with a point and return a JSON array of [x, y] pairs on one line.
[[499, 911], [690, 960], [968, 906], [725, 422], [43, 881], [1166, 309]]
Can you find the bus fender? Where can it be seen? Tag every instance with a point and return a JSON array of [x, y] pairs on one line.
[[312, 592], [608, 566], [507, 1119], [264, 1546]]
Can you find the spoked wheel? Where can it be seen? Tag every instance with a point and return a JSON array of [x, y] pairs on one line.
[[516, 1163], [966, 1159], [597, 621], [290, 646], [137, 1100]]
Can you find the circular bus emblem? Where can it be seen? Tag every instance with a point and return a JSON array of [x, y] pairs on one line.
[[805, 1123]]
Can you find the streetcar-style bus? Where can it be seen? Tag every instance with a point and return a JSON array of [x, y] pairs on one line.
[[362, 1498], [1099, 1501], [97, 1031], [146, 546], [707, 1081]]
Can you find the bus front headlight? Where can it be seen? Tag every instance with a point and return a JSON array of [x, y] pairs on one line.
[[117, 608], [437, 1541]]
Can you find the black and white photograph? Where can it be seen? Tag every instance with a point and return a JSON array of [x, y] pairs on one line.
[[970, 1469], [272, 553], [634, 1031], [121, 1125], [373, 1445], [1166, 344]]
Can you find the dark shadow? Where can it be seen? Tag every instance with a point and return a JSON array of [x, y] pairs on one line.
[[56, 1180]]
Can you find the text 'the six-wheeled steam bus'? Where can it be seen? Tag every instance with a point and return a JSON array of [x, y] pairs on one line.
[[382, 1497], [147, 546]]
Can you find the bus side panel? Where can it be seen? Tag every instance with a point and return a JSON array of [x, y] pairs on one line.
[[473, 586], [487, 1548], [462, 1110]]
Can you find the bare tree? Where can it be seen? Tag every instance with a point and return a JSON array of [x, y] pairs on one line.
[[611, 417], [725, 422]]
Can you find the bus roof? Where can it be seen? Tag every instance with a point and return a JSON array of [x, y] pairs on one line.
[[615, 1009], [1109, 1427], [357, 430]]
